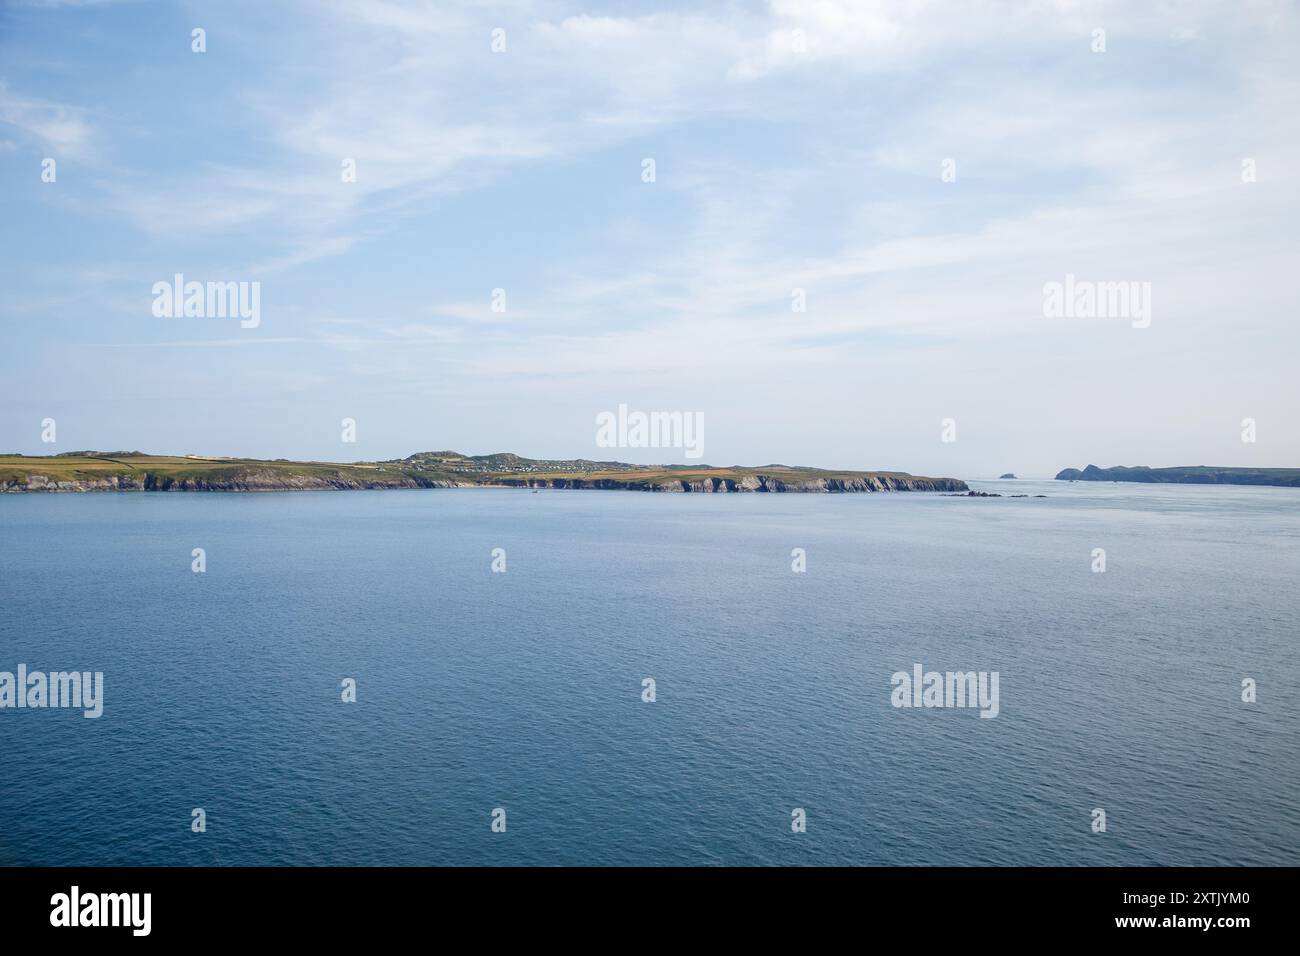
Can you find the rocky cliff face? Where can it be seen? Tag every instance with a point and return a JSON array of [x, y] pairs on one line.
[[752, 483], [255, 480], [247, 481]]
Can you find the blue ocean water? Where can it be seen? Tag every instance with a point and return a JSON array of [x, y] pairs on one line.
[[476, 690]]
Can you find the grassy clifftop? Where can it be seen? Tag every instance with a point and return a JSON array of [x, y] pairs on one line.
[[131, 471]]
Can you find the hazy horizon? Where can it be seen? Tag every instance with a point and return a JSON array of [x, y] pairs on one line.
[[854, 213]]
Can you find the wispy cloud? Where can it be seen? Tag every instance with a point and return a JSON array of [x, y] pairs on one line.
[[56, 126]]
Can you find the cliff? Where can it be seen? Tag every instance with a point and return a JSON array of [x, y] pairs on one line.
[[92, 471], [247, 481], [749, 483]]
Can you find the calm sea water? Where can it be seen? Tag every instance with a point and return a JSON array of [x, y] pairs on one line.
[[522, 690]]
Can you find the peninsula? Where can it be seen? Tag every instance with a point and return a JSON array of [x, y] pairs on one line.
[[136, 471], [1187, 474]]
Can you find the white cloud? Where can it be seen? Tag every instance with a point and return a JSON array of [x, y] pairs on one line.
[[59, 128]]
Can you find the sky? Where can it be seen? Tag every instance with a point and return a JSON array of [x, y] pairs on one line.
[[913, 173]]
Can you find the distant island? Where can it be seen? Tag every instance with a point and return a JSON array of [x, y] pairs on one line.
[[1008, 475], [136, 471], [1187, 474]]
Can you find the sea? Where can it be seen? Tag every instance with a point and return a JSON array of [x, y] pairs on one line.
[[495, 676]]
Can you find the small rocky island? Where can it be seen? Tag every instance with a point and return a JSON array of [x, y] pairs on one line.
[[135, 471], [1008, 475]]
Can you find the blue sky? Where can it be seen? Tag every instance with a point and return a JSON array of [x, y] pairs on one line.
[[779, 165]]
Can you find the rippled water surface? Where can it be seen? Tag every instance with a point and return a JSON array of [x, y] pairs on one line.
[[522, 690]]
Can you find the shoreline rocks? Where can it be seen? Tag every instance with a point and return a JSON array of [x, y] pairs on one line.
[[750, 483]]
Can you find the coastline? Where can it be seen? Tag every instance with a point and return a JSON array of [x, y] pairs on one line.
[[131, 472], [761, 484]]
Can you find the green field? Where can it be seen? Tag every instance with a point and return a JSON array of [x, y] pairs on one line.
[[92, 467]]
